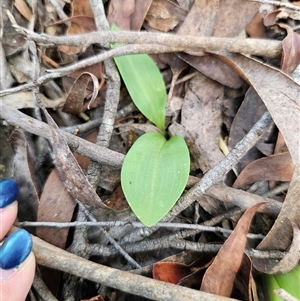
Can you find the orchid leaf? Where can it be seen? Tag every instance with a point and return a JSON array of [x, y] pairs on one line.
[[145, 85], [154, 174]]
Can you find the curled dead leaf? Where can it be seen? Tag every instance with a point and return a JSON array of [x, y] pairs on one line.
[[75, 99], [278, 167], [288, 263], [219, 277]]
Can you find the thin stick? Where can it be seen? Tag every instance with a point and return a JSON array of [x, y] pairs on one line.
[[53, 257], [108, 237], [218, 172], [278, 3], [56, 73], [77, 144], [112, 96], [134, 224], [259, 47]]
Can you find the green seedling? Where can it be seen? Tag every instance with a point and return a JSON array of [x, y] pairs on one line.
[[156, 169], [290, 282]]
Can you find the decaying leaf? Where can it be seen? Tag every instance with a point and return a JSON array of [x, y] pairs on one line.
[[75, 99], [56, 205], [70, 172], [24, 175], [202, 119], [280, 94], [278, 167], [285, 265], [120, 13], [219, 277], [212, 18], [25, 99], [164, 15], [280, 236], [251, 109]]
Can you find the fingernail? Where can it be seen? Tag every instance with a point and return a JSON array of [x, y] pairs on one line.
[[15, 249], [9, 191]]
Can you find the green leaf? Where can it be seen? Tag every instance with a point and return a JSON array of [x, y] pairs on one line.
[[154, 174], [289, 282], [145, 85]]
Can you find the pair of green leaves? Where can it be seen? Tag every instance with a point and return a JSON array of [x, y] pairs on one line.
[[155, 170]]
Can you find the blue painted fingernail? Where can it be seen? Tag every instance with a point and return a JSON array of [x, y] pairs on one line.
[[15, 249], [9, 191]]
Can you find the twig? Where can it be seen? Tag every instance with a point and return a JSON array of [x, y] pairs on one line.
[[123, 50], [278, 3], [77, 144], [243, 199], [53, 257], [218, 172], [177, 244], [134, 224], [80, 129], [259, 47], [108, 237], [113, 84], [62, 15], [285, 295], [277, 190]]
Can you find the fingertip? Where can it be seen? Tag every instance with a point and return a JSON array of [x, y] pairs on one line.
[[15, 283], [9, 191], [15, 249]]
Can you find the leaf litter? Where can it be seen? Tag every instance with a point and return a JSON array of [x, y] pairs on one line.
[[223, 100]]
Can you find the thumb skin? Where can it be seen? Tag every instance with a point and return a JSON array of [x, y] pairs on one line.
[[17, 266], [15, 283], [17, 262]]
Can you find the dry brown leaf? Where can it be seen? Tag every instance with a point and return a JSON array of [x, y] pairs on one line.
[[202, 119], [219, 277], [70, 172], [171, 272], [164, 15], [56, 205], [290, 50], [117, 200], [256, 28], [139, 14], [84, 161], [243, 280], [278, 167], [188, 275], [25, 99], [24, 174], [285, 265], [82, 21], [251, 109], [128, 14], [290, 58], [280, 94], [214, 18], [280, 236], [119, 13], [23, 8], [75, 99], [6, 154], [95, 298]]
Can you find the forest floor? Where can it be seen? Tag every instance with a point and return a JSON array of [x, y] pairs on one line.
[[232, 75]]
